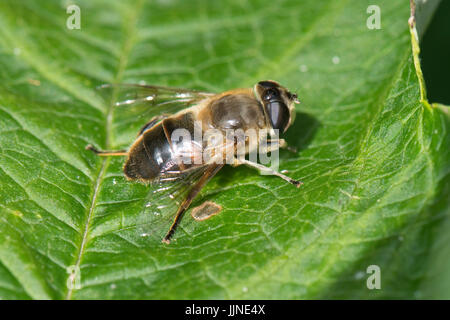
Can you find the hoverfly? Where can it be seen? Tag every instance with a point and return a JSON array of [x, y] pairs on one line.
[[156, 156]]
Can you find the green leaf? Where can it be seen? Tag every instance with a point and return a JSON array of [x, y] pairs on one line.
[[373, 154]]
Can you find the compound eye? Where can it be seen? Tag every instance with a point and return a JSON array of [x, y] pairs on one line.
[[268, 84], [271, 94], [279, 115]]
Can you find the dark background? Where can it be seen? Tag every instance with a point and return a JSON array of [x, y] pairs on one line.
[[435, 55]]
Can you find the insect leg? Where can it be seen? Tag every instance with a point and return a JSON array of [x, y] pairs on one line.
[[258, 166], [280, 143], [207, 175], [273, 144], [105, 153]]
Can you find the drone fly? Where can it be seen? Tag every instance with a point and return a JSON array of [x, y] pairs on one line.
[[156, 155]]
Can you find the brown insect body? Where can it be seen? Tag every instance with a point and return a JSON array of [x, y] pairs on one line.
[[152, 154], [155, 155]]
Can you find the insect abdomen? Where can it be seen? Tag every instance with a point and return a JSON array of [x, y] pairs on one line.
[[141, 163], [152, 155]]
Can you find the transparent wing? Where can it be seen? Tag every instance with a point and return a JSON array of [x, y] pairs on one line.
[[137, 104], [157, 99], [163, 201]]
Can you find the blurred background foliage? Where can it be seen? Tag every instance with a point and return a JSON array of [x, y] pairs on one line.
[[435, 55]]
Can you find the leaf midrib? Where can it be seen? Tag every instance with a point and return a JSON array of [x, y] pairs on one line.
[[130, 33]]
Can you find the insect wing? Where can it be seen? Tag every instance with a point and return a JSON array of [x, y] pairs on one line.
[[156, 99], [163, 201], [136, 104]]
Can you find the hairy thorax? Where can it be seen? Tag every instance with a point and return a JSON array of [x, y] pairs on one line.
[[233, 111]]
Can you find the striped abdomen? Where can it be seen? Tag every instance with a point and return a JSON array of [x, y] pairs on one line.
[[153, 155]]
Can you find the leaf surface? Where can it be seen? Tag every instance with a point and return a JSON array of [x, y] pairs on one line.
[[372, 153]]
